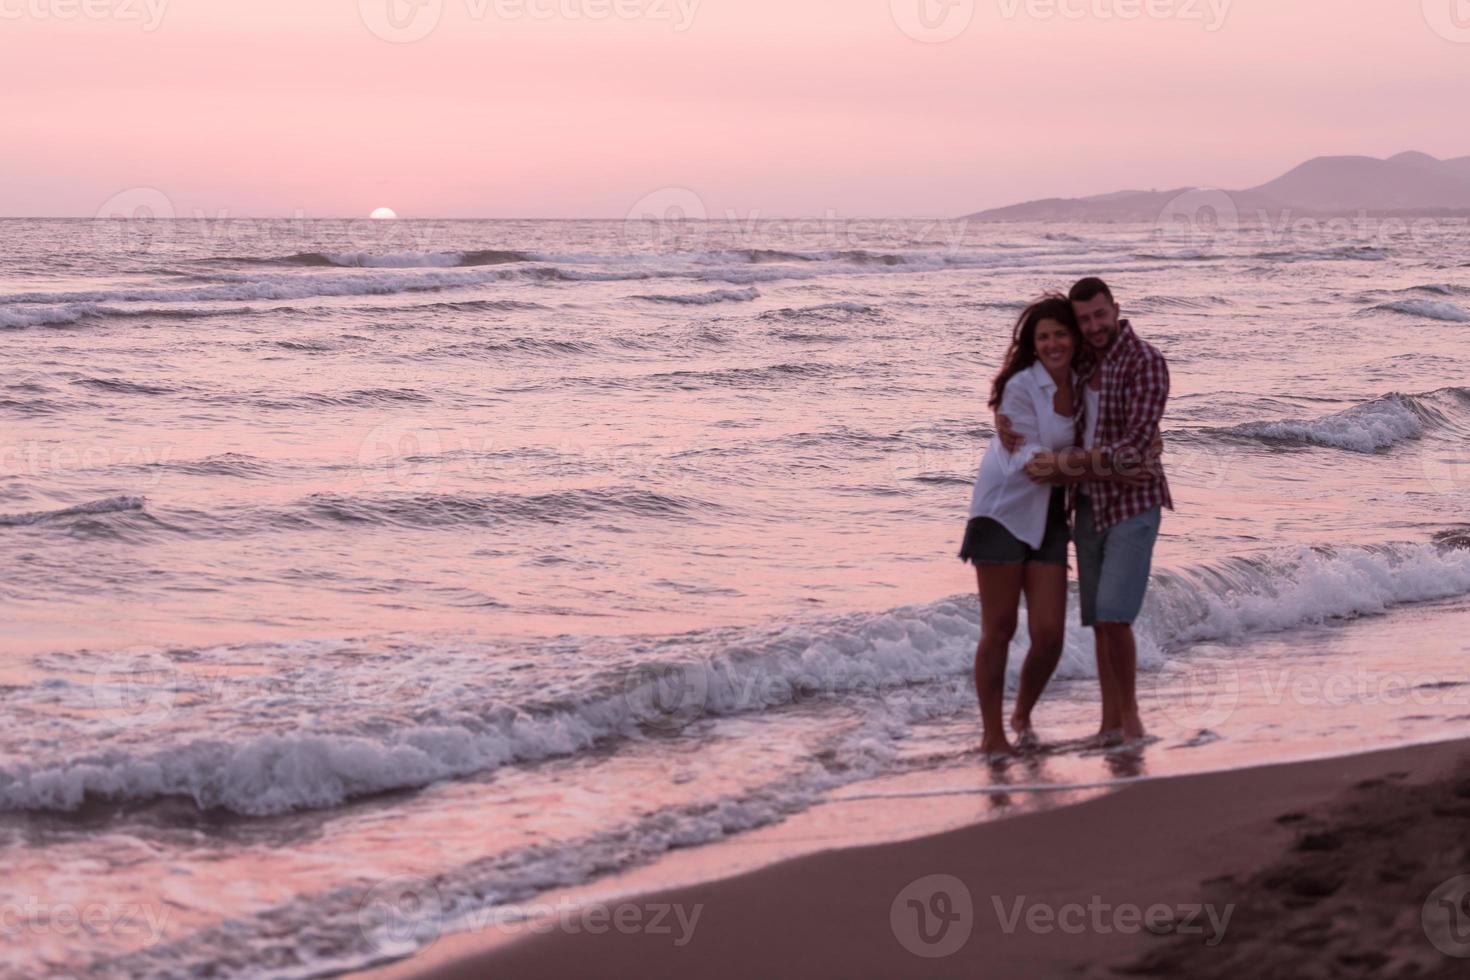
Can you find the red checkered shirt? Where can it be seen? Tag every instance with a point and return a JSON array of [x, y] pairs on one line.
[[1135, 386]]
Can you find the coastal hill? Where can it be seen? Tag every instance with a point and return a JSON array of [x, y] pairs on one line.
[[1409, 183]]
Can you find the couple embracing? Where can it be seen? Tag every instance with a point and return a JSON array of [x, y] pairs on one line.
[[1076, 457]]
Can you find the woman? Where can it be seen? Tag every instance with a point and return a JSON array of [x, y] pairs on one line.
[[1017, 534]]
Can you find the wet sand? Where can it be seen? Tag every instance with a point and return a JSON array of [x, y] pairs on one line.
[[1319, 868]]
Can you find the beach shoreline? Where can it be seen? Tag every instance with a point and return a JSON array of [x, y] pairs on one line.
[[1069, 890]]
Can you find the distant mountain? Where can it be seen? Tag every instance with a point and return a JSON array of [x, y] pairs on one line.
[[1411, 182]]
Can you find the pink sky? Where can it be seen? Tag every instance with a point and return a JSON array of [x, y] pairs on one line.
[[760, 107]]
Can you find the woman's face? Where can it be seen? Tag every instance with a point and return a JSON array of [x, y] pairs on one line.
[[1053, 345]]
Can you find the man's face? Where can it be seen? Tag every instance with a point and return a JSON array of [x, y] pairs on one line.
[[1098, 319]]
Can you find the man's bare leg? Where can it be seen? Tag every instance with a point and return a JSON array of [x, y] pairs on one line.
[[1122, 657], [1107, 681]]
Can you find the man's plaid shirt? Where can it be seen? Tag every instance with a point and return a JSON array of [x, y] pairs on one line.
[[1135, 386]]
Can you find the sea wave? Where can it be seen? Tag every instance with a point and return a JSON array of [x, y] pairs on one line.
[[1428, 308], [458, 510], [363, 397], [745, 377], [106, 506], [237, 465], [121, 386], [822, 311], [496, 350], [1370, 253], [1177, 303], [381, 260], [1369, 427], [430, 272], [70, 313], [462, 717], [706, 299], [1438, 288], [282, 286], [55, 316]]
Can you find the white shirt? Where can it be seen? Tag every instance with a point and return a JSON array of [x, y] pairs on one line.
[[1091, 406], [1092, 403], [1003, 491]]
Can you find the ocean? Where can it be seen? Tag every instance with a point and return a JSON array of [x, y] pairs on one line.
[[477, 559]]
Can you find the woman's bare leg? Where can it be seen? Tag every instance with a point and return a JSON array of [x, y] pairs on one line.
[[1045, 587], [1000, 598]]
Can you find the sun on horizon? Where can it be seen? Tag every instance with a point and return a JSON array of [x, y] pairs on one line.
[[383, 214]]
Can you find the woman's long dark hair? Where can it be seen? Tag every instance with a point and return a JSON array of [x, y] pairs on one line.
[[1022, 352]]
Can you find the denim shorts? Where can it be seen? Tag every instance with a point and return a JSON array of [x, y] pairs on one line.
[[1113, 567], [987, 542]]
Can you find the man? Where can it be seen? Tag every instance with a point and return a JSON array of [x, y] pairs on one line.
[[1120, 492]]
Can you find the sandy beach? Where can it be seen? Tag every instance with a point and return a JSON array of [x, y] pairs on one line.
[[1331, 867], [588, 488]]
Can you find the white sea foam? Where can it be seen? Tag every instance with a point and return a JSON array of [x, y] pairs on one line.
[[264, 761], [1432, 309], [273, 286], [46, 317], [1365, 428]]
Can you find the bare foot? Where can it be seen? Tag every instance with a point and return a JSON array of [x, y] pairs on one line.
[[1026, 740], [1109, 737], [1132, 726], [996, 746]]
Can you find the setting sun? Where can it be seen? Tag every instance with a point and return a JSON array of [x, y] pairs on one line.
[[383, 214]]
